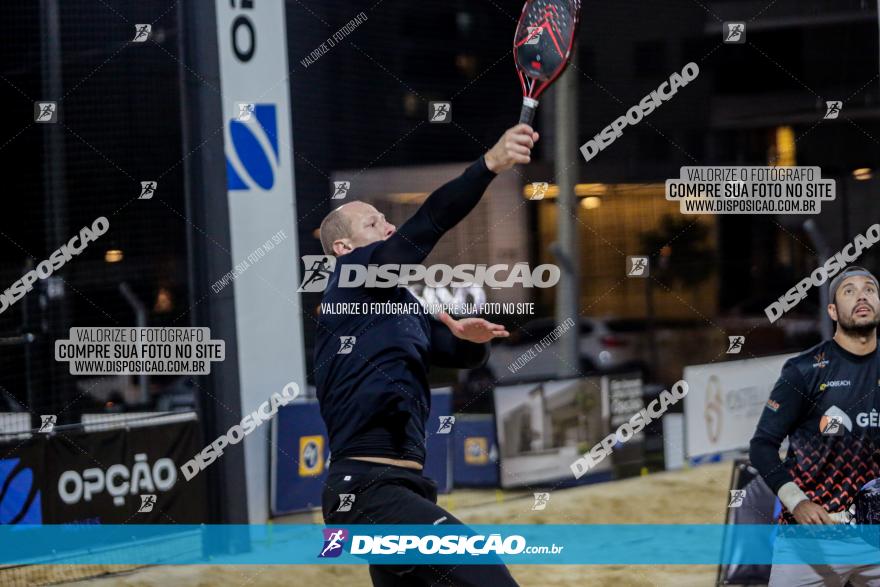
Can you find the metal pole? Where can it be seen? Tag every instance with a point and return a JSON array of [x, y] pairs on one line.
[[823, 252], [56, 382], [565, 160], [140, 316]]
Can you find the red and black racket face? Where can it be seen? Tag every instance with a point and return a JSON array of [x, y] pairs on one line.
[[543, 41]]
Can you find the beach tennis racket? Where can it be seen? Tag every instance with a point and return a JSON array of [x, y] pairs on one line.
[[542, 45]]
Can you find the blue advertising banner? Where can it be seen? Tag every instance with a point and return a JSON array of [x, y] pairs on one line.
[[301, 453], [475, 454], [127, 475]]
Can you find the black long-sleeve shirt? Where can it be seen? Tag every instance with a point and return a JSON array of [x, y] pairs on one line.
[[375, 397], [826, 401]]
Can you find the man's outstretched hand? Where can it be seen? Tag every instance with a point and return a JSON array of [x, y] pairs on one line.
[[473, 329], [514, 146]]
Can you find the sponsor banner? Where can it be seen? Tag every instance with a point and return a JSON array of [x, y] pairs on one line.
[[255, 88], [725, 401], [294, 544], [128, 476], [544, 427], [23, 480], [475, 453], [301, 453], [300, 457]]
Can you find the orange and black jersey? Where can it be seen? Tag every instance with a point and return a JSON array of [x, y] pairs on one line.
[[827, 402]]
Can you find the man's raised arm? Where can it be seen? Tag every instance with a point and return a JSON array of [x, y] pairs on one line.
[[453, 201]]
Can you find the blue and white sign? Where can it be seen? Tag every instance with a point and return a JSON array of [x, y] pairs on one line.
[[252, 41]]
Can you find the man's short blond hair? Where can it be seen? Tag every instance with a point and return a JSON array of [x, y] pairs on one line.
[[336, 225]]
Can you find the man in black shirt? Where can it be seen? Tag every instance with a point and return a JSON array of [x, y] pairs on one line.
[[371, 368], [826, 402]]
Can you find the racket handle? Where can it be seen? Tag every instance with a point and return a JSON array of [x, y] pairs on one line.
[[527, 114]]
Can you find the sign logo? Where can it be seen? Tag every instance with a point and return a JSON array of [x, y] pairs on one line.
[[45, 112], [147, 503], [833, 422], [832, 109], [47, 423], [735, 344], [340, 190], [637, 267], [541, 501], [245, 111], [141, 33], [539, 190], [476, 450], [446, 423], [148, 188], [534, 35], [253, 158], [75, 487], [20, 502], [736, 498], [346, 345], [311, 455], [346, 500], [334, 541], [735, 32], [440, 112], [318, 270]]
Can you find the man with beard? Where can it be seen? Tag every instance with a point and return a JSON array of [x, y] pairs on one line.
[[823, 403]]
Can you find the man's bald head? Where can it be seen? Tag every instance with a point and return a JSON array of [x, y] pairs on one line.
[[336, 225], [352, 225]]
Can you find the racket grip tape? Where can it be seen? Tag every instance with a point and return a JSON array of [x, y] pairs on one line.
[[527, 114]]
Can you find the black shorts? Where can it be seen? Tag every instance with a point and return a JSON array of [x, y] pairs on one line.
[[385, 494]]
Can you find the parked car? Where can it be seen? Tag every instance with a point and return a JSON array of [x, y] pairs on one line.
[[605, 345]]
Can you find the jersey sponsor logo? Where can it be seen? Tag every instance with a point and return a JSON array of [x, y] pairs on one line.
[[773, 405], [311, 455], [821, 361], [834, 421], [835, 383], [868, 419]]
